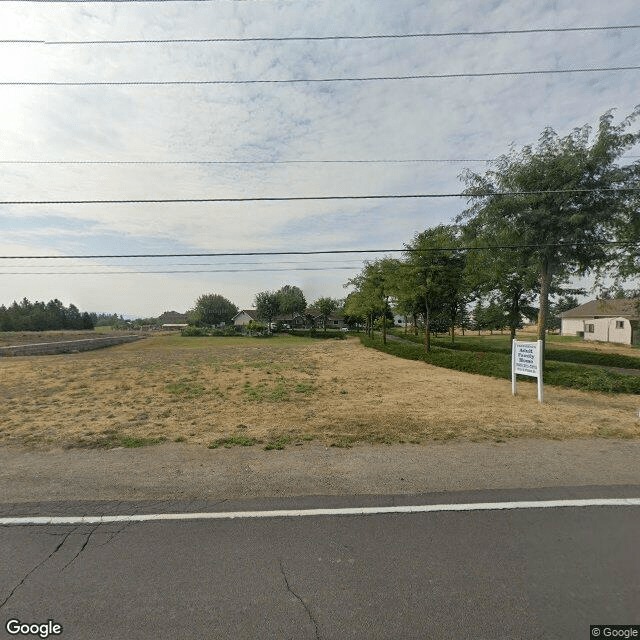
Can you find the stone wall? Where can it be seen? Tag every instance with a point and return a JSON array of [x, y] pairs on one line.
[[67, 346]]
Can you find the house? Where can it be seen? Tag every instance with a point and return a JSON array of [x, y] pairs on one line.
[[244, 317], [333, 322], [399, 321], [615, 320], [174, 326]]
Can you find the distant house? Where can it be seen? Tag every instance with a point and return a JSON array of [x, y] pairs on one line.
[[334, 321], [399, 321], [615, 320], [244, 317], [174, 326]]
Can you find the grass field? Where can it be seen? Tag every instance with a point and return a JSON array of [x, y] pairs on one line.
[[277, 392]]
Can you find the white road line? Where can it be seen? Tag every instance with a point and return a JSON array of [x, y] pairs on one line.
[[348, 511]]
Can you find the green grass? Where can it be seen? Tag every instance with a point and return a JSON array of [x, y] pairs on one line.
[[113, 440], [239, 441], [498, 365], [185, 388], [278, 443]]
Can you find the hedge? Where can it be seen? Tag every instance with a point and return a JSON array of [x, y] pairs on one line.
[[576, 356], [498, 365]]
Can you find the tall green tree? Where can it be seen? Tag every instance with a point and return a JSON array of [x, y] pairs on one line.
[[267, 304], [436, 275], [212, 309], [509, 277], [375, 285], [564, 200], [292, 301]]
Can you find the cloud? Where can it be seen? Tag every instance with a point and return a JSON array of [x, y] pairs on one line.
[[454, 118]]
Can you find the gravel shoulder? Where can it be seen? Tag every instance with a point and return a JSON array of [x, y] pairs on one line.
[[181, 471]]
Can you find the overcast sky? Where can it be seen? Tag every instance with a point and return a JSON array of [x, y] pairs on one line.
[[417, 119]]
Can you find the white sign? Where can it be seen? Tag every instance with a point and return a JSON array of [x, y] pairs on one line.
[[526, 360]]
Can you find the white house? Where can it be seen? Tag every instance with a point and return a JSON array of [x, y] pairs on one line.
[[604, 320], [244, 317]]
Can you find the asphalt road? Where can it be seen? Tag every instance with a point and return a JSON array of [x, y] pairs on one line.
[[520, 574]]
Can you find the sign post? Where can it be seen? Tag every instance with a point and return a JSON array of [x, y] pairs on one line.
[[526, 360]]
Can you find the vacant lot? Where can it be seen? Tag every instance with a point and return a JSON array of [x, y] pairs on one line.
[[217, 391]]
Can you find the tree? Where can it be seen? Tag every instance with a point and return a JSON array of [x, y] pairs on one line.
[[212, 309], [267, 304], [564, 303], [435, 275], [55, 314], [73, 318], [565, 201], [87, 321], [374, 286], [325, 307], [508, 276], [291, 301], [351, 314]]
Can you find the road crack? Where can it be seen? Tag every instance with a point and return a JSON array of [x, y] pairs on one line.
[[82, 548], [302, 602], [2, 604]]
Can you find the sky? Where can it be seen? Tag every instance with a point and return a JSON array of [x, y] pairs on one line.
[[256, 140]]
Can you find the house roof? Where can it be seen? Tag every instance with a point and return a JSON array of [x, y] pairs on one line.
[[252, 313], [623, 307]]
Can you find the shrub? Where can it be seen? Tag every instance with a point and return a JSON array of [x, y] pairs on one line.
[[498, 365], [191, 331]]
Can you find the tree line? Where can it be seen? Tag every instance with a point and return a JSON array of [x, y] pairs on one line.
[[289, 301], [539, 218], [41, 316]]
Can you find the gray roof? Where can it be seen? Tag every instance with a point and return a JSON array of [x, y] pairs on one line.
[[252, 313], [624, 308]]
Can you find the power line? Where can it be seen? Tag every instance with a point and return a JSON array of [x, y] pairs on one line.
[[320, 38], [437, 76], [109, 273], [257, 162], [306, 198], [195, 264], [323, 251], [103, 1], [240, 162]]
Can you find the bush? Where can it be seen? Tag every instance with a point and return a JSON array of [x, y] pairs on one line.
[[256, 328], [191, 331], [498, 365]]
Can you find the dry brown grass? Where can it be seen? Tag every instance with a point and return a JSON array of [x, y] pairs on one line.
[[201, 390]]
